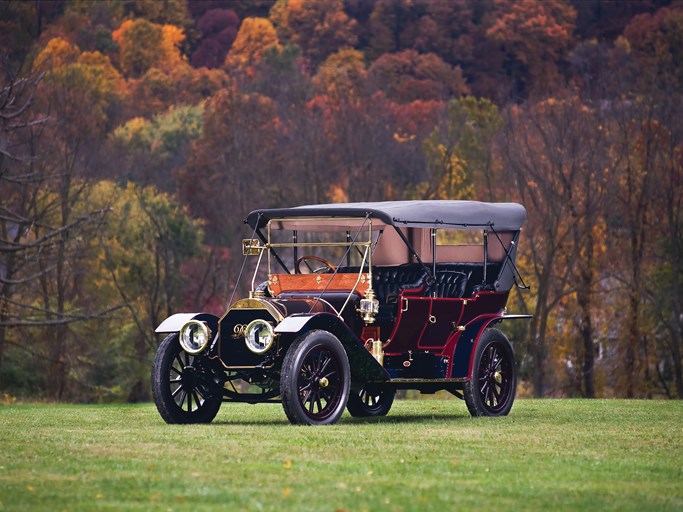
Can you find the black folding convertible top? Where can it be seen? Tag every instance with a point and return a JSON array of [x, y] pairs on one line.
[[421, 214]]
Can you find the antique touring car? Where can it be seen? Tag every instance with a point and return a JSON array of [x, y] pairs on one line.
[[350, 303]]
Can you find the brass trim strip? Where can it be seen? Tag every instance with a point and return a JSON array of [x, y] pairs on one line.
[[256, 303]]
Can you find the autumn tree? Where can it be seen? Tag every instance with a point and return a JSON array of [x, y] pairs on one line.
[[466, 134], [409, 76], [151, 149], [536, 37], [667, 272], [319, 27], [558, 154], [219, 30], [88, 25], [81, 99], [281, 75], [144, 45], [41, 235], [387, 22], [172, 12], [21, 23], [639, 134], [17, 214], [605, 21], [342, 73], [255, 37], [656, 41], [234, 153], [146, 282], [447, 29]]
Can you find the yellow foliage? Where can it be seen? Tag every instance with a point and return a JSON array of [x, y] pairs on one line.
[[102, 62], [255, 37], [342, 73], [172, 38], [58, 52], [448, 176]]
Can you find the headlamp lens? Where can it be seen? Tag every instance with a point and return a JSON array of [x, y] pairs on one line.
[[259, 336]]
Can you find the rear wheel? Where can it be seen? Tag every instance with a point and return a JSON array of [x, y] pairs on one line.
[[315, 379], [178, 386], [371, 401], [491, 390]]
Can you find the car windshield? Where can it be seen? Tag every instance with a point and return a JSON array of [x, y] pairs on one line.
[[311, 242]]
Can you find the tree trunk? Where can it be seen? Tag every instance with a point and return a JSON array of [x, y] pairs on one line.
[[631, 344], [538, 332], [585, 299], [676, 357], [586, 330]]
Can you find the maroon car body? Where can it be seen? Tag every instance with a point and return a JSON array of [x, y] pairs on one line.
[[349, 303]]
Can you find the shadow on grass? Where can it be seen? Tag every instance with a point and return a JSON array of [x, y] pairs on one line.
[[384, 420], [415, 418]]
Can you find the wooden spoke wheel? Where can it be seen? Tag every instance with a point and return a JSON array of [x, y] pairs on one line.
[[178, 387], [315, 379], [371, 401], [491, 390]]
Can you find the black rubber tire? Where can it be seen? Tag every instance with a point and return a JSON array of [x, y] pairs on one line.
[[371, 402], [306, 399], [491, 390], [177, 394]]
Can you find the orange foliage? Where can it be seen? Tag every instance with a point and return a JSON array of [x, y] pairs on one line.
[[255, 37]]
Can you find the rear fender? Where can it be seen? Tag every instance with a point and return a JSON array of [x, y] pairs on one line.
[[364, 367], [175, 322], [468, 340]]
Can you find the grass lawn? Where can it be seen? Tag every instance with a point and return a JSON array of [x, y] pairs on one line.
[[425, 455]]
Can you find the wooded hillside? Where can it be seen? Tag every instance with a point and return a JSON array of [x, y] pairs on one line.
[[136, 135]]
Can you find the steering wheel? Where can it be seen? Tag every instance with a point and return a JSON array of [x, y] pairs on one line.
[[319, 270]]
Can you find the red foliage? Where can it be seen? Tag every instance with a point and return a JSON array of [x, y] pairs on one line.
[[219, 27], [408, 76]]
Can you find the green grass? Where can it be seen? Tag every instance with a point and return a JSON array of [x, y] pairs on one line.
[[426, 455]]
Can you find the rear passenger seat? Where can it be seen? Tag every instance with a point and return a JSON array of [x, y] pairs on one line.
[[450, 283], [453, 280], [389, 282]]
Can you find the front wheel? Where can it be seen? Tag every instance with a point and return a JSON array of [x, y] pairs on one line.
[[315, 379], [491, 389], [178, 388], [371, 401]]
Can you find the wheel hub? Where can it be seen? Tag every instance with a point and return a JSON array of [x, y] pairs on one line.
[[189, 378]]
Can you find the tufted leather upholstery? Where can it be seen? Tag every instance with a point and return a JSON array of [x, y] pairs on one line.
[[388, 282], [453, 280], [450, 283], [476, 275]]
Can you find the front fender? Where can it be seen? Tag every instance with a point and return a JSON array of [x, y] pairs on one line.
[[364, 367], [175, 322]]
